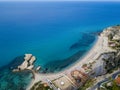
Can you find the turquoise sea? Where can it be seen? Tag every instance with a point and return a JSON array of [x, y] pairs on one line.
[[57, 33]]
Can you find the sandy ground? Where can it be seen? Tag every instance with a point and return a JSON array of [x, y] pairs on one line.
[[99, 47]]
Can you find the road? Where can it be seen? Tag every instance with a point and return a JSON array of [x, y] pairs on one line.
[[104, 79]]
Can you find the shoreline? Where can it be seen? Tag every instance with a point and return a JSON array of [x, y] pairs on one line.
[[84, 55], [88, 57], [92, 64]]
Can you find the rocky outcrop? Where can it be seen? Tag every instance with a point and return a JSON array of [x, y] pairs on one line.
[[27, 64]]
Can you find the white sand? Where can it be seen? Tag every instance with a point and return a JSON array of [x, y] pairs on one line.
[[99, 47]]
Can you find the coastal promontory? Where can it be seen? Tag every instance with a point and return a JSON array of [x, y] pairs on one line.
[[92, 72]]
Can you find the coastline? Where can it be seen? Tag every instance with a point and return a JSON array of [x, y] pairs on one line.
[[77, 71], [48, 31], [84, 55], [90, 56]]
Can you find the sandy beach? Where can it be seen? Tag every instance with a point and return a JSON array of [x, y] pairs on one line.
[[99, 47]]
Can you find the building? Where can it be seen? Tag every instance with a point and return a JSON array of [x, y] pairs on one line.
[[117, 80]]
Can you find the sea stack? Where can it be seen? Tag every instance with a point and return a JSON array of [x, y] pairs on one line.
[[27, 64]]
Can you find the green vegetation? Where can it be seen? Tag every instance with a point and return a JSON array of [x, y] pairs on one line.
[[114, 86], [119, 75], [117, 47], [89, 83], [112, 63], [116, 42], [110, 37], [40, 86]]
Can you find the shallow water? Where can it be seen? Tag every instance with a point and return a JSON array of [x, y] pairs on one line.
[[57, 33]]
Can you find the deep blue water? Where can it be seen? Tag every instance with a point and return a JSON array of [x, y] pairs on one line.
[[57, 33]]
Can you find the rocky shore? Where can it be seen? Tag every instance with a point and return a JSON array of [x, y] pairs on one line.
[[101, 59], [28, 63]]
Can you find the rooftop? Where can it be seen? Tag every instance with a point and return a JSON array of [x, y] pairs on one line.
[[117, 79], [63, 83]]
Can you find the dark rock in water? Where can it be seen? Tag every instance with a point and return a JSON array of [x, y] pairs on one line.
[[76, 45], [97, 33], [85, 41], [14, 63], [14, 81], [58, 65]]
